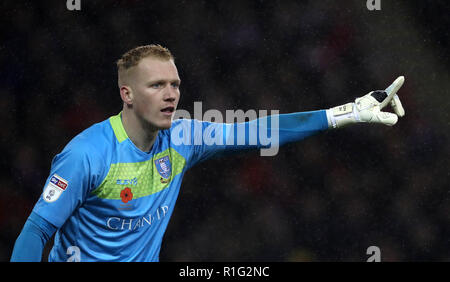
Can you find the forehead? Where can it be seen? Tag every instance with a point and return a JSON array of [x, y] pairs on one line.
[[154, 68]]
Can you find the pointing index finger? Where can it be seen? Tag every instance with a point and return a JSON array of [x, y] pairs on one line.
[[392, 90]]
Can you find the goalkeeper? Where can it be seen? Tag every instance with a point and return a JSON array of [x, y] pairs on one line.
[[111, 191]]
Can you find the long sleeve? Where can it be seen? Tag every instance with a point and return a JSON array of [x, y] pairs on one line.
[[32, 239], [271, 132], [266, 133]]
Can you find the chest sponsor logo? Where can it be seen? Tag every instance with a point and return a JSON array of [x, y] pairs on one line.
[[55, 187], [119, 223]]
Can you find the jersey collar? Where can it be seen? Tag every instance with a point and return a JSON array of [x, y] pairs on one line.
[[117, 126]]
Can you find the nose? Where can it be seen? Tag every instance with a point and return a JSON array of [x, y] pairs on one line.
[[170, 94]]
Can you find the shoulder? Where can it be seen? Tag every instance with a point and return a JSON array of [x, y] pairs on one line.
[[90, 143], [181, 122], [186, 129], [183, 130], [179, 126], [186, 124]]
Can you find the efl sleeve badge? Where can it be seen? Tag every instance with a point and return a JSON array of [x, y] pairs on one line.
[[54, 188]]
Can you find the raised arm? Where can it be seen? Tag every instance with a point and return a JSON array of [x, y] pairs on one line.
[[270, 132]]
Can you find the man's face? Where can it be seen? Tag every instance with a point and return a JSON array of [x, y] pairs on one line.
[[155, 91]]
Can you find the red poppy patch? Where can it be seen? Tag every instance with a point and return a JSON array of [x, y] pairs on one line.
[[126, 195]]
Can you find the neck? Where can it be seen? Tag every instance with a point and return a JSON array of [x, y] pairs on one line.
[[142, 135]]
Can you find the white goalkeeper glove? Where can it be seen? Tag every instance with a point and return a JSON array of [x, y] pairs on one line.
[[368, 108]]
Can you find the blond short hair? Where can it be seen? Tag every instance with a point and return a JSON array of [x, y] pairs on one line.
[[132, 57]]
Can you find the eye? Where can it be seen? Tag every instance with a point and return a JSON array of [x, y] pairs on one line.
[[155, 85], [175, 85]]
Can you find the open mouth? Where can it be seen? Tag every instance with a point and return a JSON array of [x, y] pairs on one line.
[[168, 110]]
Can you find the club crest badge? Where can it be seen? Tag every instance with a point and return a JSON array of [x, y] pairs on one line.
[[164, 168]]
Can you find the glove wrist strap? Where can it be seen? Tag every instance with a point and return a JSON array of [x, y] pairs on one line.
[[342, 115]]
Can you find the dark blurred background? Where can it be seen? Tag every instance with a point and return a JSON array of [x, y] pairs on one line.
[[327, 198]]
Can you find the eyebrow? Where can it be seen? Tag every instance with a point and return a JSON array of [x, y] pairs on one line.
[[164, 81]]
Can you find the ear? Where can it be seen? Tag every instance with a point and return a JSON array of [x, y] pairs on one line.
[[126, 93]]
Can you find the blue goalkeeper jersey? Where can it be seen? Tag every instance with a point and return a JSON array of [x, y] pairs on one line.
[[110, 201]]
